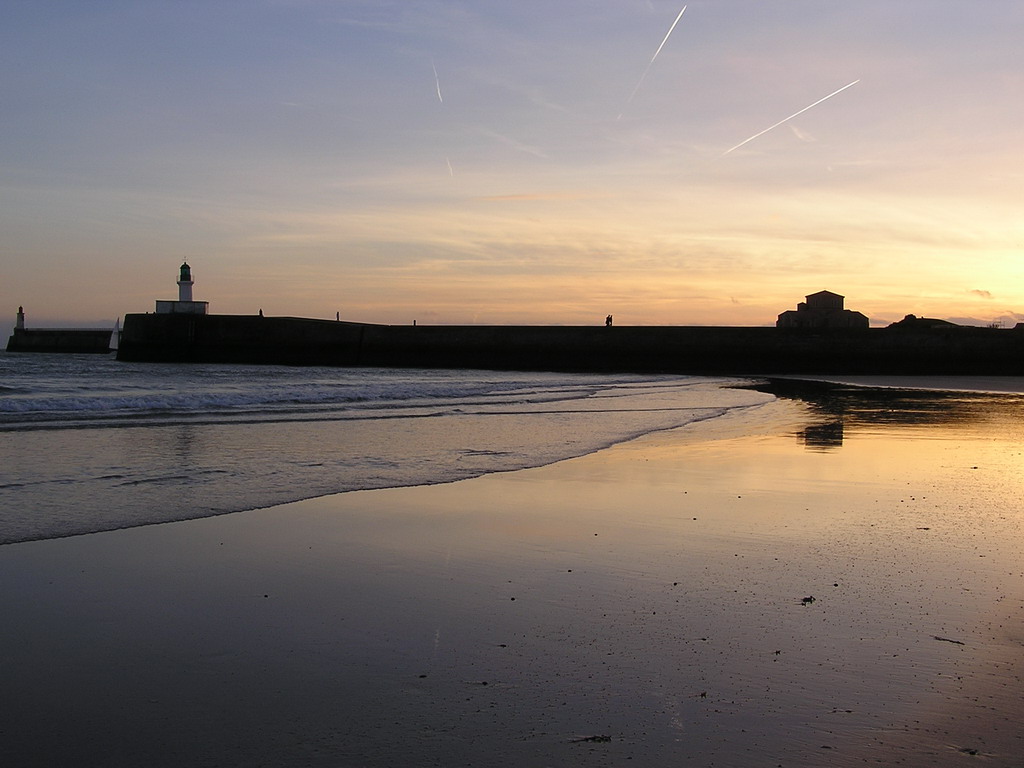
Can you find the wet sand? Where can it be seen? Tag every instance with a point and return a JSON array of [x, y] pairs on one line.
[[648, 603]]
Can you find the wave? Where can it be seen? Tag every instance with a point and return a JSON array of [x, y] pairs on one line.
[[238, 399], [184, 401], [383, 433]]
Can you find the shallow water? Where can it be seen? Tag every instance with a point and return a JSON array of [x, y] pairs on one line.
[[92, 444]]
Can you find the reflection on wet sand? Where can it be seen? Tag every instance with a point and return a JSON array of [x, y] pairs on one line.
[[840, 409], [824, 436]]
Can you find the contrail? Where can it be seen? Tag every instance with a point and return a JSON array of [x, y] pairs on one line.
[[665, 39], [651, 62], [762, 133], [437, 81], [451, 172]]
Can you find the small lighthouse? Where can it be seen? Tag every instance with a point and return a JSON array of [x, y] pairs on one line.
[[185, 282], [20, 322], [185, 304]]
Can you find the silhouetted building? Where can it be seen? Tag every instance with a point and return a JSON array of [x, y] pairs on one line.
[[915, 323], [823, 309]]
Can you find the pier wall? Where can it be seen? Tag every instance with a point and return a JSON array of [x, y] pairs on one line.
[[59, 340], [674, 349]]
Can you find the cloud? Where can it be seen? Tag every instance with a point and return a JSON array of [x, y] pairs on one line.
[[802, 135], [514, 143], [540, 196], [981, 293]]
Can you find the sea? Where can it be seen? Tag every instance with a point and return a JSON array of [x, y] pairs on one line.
[[93, 444]]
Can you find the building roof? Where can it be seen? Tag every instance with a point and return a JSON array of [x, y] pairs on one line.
[[825, 293]]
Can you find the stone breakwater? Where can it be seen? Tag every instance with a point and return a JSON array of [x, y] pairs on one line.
[[59, 340], [670, 349]]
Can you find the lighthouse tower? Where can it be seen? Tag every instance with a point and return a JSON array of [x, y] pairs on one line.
[[20, 322], [185, 304], [185, 282]]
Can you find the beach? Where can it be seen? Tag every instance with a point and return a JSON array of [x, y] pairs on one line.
[[834, 577]]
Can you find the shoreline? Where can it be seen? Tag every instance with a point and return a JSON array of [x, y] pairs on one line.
[[929, 394], [651, 593], [220, 463]]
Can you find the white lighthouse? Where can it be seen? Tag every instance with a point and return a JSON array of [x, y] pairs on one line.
[[185, 283], [184, 304]]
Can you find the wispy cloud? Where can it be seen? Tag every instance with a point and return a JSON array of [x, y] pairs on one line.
[[515, 144], [541, 196]]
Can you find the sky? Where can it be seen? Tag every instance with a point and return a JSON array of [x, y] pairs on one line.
[[535, 162]]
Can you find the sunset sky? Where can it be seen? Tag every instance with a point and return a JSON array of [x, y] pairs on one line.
[[487, 161]]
